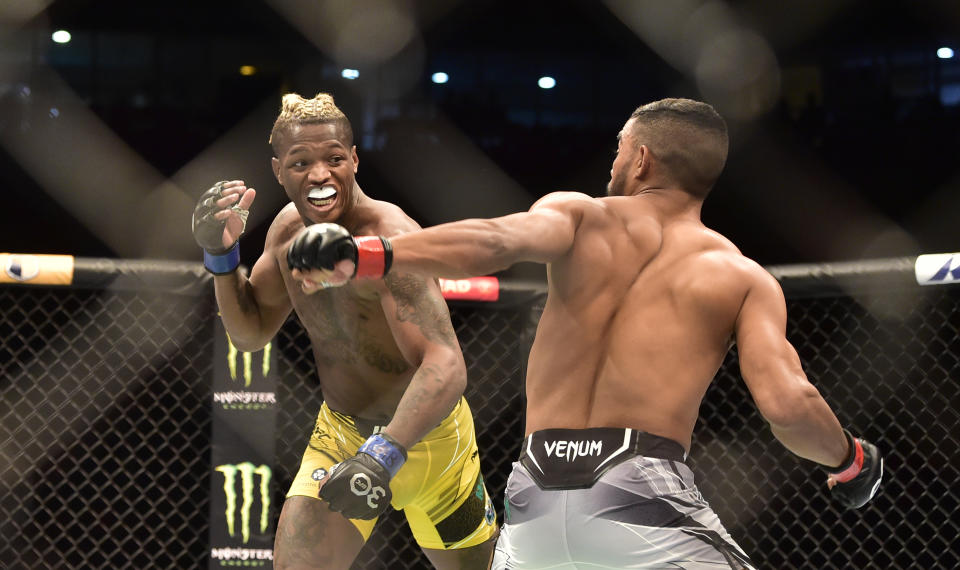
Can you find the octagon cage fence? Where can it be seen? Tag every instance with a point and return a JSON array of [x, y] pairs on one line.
[[106, 419]]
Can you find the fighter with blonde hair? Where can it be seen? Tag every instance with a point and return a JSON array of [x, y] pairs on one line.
[[394, 427], [643, 304]]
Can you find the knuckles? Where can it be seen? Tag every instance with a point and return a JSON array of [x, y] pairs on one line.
[[319, 246]]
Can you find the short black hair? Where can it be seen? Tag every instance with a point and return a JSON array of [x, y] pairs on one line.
[[688, 136]]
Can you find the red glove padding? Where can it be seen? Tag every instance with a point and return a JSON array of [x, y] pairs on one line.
[[858, 478], [321, 246]]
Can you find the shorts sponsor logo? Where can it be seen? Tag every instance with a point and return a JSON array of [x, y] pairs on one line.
[[489, 514], [571, 450], [319, 474], [240, 503], [22, 267]]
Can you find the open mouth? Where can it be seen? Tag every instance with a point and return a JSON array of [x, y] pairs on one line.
[[321, 197]]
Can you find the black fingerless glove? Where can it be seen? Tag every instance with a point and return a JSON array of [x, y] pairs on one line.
[[359, 487], [208, 233], [321, 246], [859, 477]]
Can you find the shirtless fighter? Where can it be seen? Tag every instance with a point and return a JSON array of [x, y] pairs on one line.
[[394, 427], [644, 302]]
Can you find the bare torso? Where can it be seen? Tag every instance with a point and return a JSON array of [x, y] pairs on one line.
[[640, 315], [362, 371]]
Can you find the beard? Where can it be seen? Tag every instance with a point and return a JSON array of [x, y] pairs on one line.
[[616, 185]]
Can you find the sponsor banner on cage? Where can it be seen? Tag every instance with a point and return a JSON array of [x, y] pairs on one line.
[[36, 269], [241, 532], [243, 381], [937, 268], [241, 478], [472, 289]]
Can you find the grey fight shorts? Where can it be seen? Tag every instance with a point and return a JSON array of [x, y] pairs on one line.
[[605, 498]]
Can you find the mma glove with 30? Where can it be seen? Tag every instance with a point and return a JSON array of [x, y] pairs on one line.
[[321, 246], [208, 231], [859, 477], [359, 487]]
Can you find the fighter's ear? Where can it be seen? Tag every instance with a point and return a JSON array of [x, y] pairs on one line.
[[356, 159], [643, 162], [275, 164]]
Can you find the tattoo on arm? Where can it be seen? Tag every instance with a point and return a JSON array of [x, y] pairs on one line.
[[416, 305], [422, 392]]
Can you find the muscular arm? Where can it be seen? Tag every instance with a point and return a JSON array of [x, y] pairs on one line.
[[421, 326], [253, 309], [479, 247], [798, 416]]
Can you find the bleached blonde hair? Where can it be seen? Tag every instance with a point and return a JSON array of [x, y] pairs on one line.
[[295, 110]]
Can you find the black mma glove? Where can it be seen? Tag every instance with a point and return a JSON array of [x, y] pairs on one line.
[[859, 476], [321, 246], [208, 232], [359, 488]]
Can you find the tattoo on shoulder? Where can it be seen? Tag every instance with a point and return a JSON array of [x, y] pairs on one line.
[[416, 305]]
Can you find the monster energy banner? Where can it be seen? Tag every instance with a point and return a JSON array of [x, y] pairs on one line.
[[244, 416]]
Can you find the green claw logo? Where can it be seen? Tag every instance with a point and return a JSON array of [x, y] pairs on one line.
[[246, 470], [247, 362]]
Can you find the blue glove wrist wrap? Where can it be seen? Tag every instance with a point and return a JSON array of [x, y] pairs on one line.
[[386, 451], [223, 263]]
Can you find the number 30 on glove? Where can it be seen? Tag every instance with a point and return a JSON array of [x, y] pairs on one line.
[[359, 488], [859, 477]]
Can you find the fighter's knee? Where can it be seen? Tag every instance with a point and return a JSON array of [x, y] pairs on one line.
[[311, 537]]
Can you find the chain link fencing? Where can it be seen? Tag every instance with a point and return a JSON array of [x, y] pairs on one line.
[[105, 428], [106, 416]]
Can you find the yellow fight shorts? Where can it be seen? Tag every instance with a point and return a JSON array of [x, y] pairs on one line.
[[439, 488]]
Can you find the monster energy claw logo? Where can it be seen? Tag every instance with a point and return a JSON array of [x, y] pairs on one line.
[[247, 362], [246, 470]]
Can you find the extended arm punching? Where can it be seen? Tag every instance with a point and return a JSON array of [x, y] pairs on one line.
[[454, 250]]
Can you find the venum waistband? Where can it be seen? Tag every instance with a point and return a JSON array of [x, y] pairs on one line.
[[577, 458]]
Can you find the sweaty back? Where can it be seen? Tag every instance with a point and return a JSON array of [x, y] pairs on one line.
[[639, 317]]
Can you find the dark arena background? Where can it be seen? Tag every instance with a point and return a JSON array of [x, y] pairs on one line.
[[134, 436]]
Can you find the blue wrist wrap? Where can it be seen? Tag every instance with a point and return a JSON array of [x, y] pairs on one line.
[[387, 453], [223, 263]]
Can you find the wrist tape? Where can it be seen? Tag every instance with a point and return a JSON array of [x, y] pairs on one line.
[[374, 257], [386, 451], [852, 467], [222, 263]]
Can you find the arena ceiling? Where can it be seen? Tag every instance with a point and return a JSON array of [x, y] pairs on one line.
[[844, 119]]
